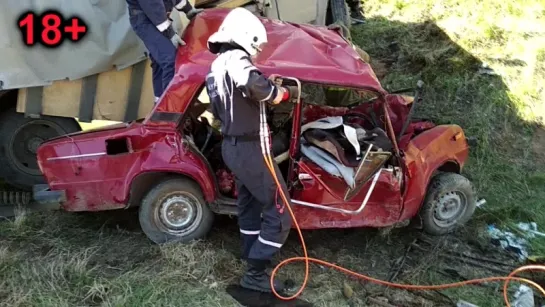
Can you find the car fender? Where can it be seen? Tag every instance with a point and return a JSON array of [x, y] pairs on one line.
[[443, 147], [191, 164]]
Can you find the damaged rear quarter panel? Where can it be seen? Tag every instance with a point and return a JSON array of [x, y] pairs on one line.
[[96, 181]]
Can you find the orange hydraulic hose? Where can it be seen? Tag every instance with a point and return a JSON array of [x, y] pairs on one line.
[[511, 277]]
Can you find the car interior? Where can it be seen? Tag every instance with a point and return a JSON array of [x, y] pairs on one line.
[[338, 134]]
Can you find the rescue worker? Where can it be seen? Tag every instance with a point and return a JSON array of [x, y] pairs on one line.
[[151, 23], [236, 88], [356, 11]]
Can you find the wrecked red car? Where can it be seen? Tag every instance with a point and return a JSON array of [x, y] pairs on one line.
[[351, 152]]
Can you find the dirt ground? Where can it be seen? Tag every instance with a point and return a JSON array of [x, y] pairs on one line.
[[103, 259]]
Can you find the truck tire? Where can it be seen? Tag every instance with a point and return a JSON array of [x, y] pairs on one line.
[[20, 138], [338, 12], [450, 202], [175, 211]]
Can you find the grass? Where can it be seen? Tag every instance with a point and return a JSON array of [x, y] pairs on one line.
[[449, 44], [60, 259]]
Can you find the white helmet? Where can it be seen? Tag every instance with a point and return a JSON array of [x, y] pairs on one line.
[[241, 27]]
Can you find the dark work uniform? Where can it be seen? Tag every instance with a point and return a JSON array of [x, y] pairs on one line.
[[235, 102], [146, 18], [356, 11], [354, 4]]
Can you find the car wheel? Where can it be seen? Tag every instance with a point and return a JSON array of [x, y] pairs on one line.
[[450, 202], [20, 138], [175, 211]]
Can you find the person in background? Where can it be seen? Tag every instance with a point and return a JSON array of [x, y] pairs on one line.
[[150, 21], [356, 11]]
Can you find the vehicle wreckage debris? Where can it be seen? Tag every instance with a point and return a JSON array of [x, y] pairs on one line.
[[510, 266], [476, 263], [524, 297], [518, 242], [462, 303], [465, 259], [398, 266], [482, 259]]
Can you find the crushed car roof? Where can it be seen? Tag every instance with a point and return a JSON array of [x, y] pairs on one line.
[[309, 53]]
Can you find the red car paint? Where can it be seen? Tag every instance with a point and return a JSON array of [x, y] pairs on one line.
[[96, 180]]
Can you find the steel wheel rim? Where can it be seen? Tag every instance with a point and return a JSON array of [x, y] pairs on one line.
[[449, 208], [178, 213], [24, 144]]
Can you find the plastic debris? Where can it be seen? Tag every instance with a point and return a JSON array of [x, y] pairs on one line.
[[481, 203], [524, 297], [517, 243], [509, 241], [530, 229]]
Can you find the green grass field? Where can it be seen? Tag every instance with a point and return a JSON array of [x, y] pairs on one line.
[[453, 46], [483, 63]]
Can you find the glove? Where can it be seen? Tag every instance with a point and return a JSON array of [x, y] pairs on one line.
[[275, 79], [294, 92], [177, 41], [174, 38], [191, 14]]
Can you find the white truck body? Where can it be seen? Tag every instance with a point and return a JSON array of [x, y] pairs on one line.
[[105, 76]]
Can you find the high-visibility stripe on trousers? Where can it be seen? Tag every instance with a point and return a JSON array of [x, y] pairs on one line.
[[264, 221]]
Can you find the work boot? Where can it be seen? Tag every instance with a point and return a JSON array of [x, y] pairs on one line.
[[357, 18], [257, 279], [356, 13]]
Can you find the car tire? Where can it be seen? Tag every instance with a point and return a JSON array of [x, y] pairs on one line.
[[450, 202], [20, 138], [175, 211], [339, 13]]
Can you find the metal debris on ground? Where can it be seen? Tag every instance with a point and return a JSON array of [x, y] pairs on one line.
[[465, 304], [517, 243], [481, 203], [530, 229]]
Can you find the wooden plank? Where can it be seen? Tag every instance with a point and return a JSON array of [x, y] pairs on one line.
[[230, 4], [147, 96], [21, 98], [112, 94], [62, 98]]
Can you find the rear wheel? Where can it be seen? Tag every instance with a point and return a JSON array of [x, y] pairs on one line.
[[450, 202], [175, 211], [20, 138]]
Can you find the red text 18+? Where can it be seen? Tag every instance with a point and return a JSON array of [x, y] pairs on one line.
[[50, 29]]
